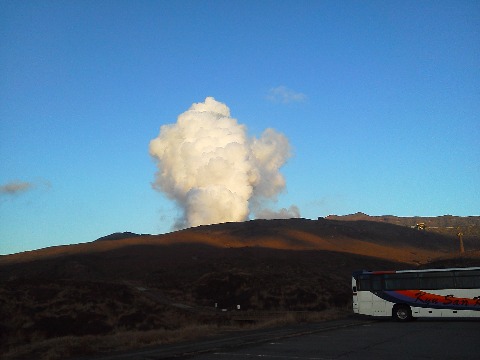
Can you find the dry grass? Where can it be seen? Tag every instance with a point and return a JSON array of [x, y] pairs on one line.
[[71, 346], [47, 318], [304, 317], [68, 346], [62, 319]]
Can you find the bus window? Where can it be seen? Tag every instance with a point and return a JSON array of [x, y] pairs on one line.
[[364, 283], [467, 279], [436, 280], [405, 281], [370, 282], [377, 282]]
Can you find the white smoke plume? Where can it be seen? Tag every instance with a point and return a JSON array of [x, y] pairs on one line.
[[292, 212], [213, 170]]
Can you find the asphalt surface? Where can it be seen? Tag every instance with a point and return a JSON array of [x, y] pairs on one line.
[[422, 339], [346, 339]]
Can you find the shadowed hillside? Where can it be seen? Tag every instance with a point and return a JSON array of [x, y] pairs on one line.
[[152, 283], [378, 239]]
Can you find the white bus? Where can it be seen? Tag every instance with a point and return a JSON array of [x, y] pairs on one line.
[[409, 294]]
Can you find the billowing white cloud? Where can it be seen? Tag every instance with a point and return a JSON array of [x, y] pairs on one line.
[[212, 169], [282, 94]]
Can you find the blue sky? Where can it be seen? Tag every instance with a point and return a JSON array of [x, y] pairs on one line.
[[380, 101]]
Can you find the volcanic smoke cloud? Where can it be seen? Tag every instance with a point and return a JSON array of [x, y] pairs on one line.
[[209, 166]]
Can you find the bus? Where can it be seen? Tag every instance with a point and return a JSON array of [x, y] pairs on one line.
[[409, 294]]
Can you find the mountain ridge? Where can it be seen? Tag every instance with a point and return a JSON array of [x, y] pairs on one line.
[[359, 236], [429, 221]]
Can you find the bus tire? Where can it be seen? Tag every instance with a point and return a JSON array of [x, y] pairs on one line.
[[402, 313]]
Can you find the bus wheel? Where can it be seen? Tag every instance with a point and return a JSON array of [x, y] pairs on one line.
[[402, 313]]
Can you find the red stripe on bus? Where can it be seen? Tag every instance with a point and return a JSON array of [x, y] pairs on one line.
[[423, 297]]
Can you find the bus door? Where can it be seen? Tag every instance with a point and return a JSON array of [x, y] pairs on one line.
[[368, 302], [355, 295]]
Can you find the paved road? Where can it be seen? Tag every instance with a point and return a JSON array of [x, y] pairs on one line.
[[422, 339], [346, 339]]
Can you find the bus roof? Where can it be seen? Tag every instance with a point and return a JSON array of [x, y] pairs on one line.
[[369, 272]]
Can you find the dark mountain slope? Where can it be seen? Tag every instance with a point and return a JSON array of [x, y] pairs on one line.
[[377, 239]]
